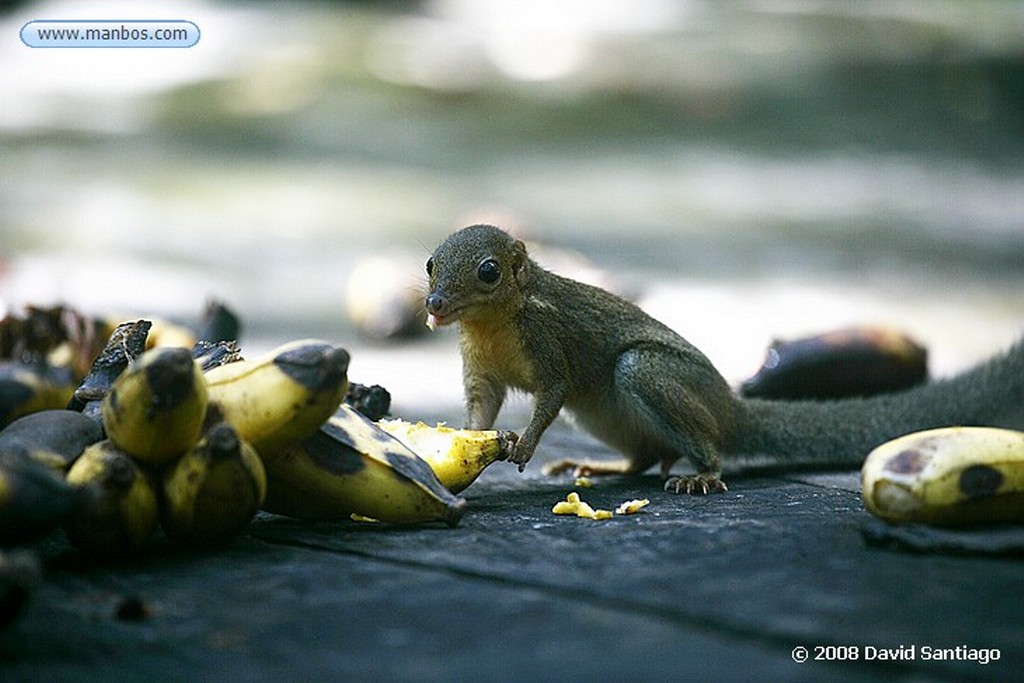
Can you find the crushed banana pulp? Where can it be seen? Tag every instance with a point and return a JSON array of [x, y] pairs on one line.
[[572, 505]]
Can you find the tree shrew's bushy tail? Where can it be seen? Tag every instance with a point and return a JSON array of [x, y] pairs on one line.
[[842, 433]]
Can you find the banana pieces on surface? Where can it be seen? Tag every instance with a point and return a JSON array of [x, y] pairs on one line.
[[947, 476], [213, 492], [123, 511], [155, 409], [282, 397], [457, 456], [350, 466]]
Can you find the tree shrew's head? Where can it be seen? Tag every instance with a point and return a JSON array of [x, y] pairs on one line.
[[476, 273]]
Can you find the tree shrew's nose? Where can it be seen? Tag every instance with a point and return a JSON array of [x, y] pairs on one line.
[[435, 303]]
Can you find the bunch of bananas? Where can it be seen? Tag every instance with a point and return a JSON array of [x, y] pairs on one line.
[[162, 442], [161, 431], [184, 447], [163, 462]]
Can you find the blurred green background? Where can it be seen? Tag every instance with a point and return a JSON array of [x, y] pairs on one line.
[[749, 169]]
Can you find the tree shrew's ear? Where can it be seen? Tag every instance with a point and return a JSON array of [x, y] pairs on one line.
[[520, 262]]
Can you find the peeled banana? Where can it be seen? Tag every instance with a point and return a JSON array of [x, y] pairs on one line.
[[948, 476], [457, 456], [351, 467], [282, 397], [123, 511], [212, 492], [53, 437], [155, 409]]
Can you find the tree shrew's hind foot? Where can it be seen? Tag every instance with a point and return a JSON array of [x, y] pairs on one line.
[[696, 484]]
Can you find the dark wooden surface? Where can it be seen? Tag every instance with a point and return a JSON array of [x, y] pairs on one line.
[[721, 587]]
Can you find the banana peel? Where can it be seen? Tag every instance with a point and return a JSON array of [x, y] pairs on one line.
[[350, 466]]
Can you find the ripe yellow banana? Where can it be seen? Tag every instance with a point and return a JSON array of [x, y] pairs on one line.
[[214, 490], [53, 437], [123, 511], [155, 409], [457, 456], [34, 499], [351, 467], [282, 397], [948, 476], [28, 388]]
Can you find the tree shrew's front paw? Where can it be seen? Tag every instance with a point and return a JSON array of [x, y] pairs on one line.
[[696, 484], [521, 454]]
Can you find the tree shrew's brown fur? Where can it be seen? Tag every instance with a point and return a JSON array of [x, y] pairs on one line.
[[647, 392]]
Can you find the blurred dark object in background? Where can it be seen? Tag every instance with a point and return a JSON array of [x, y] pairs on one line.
[[859, 361], [9, 4], [218, 323]]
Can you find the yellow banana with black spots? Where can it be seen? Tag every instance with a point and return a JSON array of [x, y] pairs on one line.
[[350, 466], [947, 476], [123, 511], [214, 490], [457, 456], [282, 397], [155, 408]]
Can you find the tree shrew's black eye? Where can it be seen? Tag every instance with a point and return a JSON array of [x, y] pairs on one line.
[[430, 266], [489, 271]]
